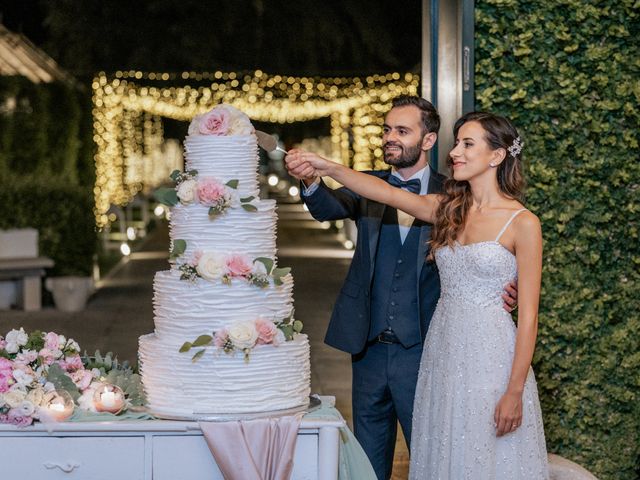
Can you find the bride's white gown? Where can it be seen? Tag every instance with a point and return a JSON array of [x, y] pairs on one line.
[[464, 371]]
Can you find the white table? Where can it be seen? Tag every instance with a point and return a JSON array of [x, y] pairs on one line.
[[145, 450]]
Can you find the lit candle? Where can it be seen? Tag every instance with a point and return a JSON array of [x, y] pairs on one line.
[[108, 399]]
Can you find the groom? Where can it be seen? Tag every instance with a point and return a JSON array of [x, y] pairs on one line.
[[383, 311]]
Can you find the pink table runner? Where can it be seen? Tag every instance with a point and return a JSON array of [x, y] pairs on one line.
[[259, 449]]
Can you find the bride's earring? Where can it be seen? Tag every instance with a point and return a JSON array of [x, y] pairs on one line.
[[492, 165]]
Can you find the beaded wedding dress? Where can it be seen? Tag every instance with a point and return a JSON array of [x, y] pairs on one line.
[[464, 372]]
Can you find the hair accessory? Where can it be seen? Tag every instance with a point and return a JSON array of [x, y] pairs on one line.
[[516, 147]]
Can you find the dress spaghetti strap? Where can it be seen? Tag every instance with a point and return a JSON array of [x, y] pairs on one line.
[[506, 225]]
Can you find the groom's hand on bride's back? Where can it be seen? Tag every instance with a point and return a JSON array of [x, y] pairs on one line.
[[510, 296]]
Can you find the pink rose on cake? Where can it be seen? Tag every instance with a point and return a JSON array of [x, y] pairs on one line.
[[238, 265], [210, 191], [212, 266], [243, 335], [215, 122], [266, 331]]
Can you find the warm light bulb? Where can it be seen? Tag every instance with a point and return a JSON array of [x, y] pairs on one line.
[[125, 249], [294, 191], [273, 180], [158, 211], [131, 233]]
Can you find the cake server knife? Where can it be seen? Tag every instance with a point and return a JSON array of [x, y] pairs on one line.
[[268, 142]]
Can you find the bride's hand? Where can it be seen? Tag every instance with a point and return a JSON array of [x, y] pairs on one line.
[[508, 414]]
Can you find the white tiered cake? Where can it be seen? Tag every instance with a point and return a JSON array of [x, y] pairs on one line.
[[225, 340]]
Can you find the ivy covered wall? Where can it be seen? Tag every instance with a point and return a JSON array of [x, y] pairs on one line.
[[567, 73]]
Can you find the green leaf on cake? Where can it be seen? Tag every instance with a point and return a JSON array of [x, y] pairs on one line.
[[278, 273], [249, 208], [175, 175], [214, 211], [297, 326], [287, 330], [202, 340], [232, 183], [179, 247], [186, 346], [166, 196], [267, 262], [197, 355], [247, 199]]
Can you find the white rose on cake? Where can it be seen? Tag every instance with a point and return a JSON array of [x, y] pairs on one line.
[[15, 339], [211, 266], [222, 120], [187, 191], [243, 335]]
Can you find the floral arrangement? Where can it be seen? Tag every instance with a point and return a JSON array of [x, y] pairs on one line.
[[207, 191], [213, 266], [39, 368], [244, 336], [223, 120]]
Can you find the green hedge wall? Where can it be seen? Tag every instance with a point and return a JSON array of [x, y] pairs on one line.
[[46, 169], [45, 130], [568, 74], [63, 215]]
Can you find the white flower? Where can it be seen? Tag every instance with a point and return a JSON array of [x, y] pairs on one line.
[[49, 387], [26, 408], [232, 198], [35, 395], [23, 379], [187, 191], [194, 125], [72, 344], [241, 126], [279, 338], [15, 339], [243, 334], [13, 398], [62, 341], [85, 401], [211, 266]]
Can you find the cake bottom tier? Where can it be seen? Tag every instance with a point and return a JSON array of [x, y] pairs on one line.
[[274, 378]]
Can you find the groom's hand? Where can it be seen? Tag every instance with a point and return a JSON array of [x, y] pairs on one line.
[[298, 168], [510, 297]]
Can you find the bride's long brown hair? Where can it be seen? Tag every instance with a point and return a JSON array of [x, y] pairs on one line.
[[452, 212]]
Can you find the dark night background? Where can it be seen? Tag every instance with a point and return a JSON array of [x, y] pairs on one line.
[[302, 37]]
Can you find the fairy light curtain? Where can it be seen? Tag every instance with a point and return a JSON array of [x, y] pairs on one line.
[[128, 107]]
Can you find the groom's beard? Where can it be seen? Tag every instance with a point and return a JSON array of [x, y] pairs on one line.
[[408, 157]]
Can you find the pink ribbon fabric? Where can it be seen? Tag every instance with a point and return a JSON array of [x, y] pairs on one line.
[[259, 449]]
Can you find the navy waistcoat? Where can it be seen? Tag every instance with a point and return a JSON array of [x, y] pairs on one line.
[[394, 298]]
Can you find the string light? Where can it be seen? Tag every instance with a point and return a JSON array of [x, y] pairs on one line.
[[129, 106]]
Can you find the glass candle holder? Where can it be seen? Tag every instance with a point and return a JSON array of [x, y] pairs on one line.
[[58, 405], [109, 398]]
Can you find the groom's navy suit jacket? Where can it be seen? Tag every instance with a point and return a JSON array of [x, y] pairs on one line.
[[350, 322]]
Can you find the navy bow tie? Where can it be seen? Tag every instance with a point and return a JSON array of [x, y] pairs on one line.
[[412, 186]]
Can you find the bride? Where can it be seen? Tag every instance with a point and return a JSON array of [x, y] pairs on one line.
[[476, 411]]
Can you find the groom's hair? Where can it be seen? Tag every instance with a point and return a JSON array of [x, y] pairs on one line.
[[429, 114]]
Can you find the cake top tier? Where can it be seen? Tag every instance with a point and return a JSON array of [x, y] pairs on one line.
[[221, 121]]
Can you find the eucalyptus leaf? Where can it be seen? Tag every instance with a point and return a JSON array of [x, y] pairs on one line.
[[175, 175], [297, 326], [247, 199], [197, 355], [249, 207], [202, 341], [62, 381], [179, 247], [267, 262], [186, 346], [232, 183], [166, 196]]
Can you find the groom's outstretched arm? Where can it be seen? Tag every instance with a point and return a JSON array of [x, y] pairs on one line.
[[324, 203]]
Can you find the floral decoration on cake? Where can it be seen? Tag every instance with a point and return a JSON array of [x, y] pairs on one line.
[[223, 120], [246, 335], [214, 267], [41, 367], [207, 191]]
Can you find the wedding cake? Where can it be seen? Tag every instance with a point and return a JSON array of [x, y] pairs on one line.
[[225, 339]]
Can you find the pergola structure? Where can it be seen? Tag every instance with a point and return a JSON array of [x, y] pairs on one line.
[[128, 107]]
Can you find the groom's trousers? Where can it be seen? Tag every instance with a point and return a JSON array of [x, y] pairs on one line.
[[384, 383]]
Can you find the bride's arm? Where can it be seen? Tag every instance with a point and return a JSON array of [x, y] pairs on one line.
[[420, 206], [528, 249]]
